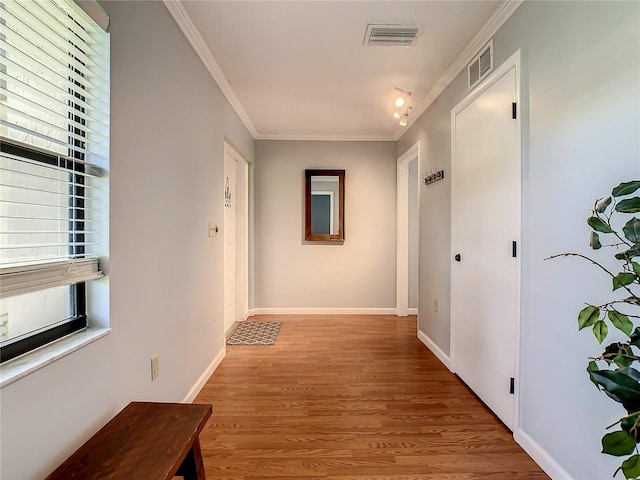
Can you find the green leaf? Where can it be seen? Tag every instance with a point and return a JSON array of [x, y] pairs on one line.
[[621, 322], [594, 241], [635, 337], [631, 230], [631, 373], [618, 353], [613, 348], [626, 188], [593, 367], [632, 300], [588, 316], [623, 278], [620, 385], [602, 205], [618, 443], [631, 467], [600, 330], [629, 205], [599, 225], [622, 359], [630, 253], [636, 267], [628, 424]]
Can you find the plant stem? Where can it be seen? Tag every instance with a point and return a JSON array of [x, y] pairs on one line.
[[608, 222], [634, 414], [595, 263], [606, 306]]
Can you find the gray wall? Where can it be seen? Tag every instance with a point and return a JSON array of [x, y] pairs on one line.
[[168, 124], [581, 77], [292, 273]]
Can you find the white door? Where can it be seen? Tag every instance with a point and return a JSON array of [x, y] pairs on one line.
[[486, 217], [229, 234]]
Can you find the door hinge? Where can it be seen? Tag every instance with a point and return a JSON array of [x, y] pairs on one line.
[[514, 110], [514, 249], [512, 385]]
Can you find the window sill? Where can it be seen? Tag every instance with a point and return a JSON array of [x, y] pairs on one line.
[[22, 366]]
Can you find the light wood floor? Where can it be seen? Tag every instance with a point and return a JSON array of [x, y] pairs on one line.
[[350, 398]]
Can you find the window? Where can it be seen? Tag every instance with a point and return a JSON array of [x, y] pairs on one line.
[[54, 133]]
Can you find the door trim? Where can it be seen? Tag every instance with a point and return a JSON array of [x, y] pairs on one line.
[[512, 62], [402, 230]]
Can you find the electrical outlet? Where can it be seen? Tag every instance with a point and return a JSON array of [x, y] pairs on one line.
[[155, 367], [435, 304]]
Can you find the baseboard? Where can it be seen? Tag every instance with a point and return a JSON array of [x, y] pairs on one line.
[[231, 329], [435, 349], [324, 311], [193, 393], [541, 456], [413, 311], [250, 313]]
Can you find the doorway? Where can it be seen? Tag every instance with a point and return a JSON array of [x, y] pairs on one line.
[[407, 232], [485, 235]]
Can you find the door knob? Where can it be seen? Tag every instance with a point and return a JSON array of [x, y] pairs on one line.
[[457, 257]]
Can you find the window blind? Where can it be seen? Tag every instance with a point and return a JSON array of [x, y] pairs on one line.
[[54, 126], [30, 278]]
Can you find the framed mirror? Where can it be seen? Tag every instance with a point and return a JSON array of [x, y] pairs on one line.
[[324, 205]]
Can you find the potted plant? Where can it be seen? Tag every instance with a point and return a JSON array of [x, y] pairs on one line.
[[616, 371]]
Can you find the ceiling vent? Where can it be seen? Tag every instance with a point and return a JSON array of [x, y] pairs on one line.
[[391, 35], [481, 65]]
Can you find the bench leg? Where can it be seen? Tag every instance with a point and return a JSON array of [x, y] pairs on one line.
[[192, 467]]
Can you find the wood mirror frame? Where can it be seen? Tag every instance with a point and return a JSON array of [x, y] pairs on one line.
[[336, 232]]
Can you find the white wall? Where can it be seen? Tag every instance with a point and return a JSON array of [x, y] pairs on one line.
[[291, 273], [168, 124], [581, 71]]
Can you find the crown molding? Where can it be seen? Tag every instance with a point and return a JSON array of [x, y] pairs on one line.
[[193, 36], [329, 138], [499, 17]]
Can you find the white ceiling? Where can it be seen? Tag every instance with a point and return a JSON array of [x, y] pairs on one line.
[[299, 70]]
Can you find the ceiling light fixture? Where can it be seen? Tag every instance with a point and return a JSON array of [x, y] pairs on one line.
[[401, 97], [404, 121], [402, 100]]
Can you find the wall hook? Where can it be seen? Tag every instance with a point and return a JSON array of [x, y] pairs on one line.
[[433, 176]]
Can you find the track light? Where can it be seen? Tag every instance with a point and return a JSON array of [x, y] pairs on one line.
[[401, 97], [404, 119]]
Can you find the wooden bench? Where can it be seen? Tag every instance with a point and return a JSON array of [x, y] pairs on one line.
[[145, 441]]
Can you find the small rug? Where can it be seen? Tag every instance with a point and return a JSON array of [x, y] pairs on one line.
[[255, 333]]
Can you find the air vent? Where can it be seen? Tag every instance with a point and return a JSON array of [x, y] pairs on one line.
[[391, 35], [481, 65]]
